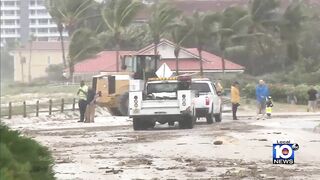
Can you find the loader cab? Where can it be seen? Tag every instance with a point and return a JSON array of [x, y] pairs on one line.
[[142, 66]]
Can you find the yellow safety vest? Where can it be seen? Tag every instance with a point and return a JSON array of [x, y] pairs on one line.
[[81, 94], [269, 110]]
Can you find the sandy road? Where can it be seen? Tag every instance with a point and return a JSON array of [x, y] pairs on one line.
[[101, 151]]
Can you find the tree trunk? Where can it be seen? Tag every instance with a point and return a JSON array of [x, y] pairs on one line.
[[156, 54], [71, 69], [223, 63], [117, 56], [176, 54], [60, 29], [71, 29], [200, 61], [29, 67]]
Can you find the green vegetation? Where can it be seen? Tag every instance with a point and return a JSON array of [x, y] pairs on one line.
[[264, 36], [23, 158], [280, 92]]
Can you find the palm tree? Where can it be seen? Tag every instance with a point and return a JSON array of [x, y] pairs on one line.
[[68, 14], [179, 33], [291, 25], [224, 28], [32, 38], [261, 16], [83, 45], [160, 21], [118, 14], [200, 25], [134, 37]]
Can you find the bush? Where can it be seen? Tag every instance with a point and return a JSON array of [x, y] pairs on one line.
[[55, 72], [279, 92], [23, 158]]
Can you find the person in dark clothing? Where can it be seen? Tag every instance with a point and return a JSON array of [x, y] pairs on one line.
[[312, 100], [82, 99], [91, 106]]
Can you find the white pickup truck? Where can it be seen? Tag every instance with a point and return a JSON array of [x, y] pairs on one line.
[[163, 101], [208, 102]]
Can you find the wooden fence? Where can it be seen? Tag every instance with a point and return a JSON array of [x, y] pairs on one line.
[[49, 107]]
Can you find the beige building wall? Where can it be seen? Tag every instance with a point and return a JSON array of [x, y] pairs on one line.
[[40, 60]]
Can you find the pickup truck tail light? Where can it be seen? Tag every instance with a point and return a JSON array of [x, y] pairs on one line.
[[207, 101]]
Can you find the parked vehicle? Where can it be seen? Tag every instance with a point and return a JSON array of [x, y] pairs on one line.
[[163, 100], [208, 102]]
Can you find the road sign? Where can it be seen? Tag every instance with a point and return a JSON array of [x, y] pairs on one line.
[[164, 71]]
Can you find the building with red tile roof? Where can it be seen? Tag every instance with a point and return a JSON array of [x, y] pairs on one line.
[[105, 61]]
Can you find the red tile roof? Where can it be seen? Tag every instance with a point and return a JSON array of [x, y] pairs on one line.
[[211, 62], [103, 61], [106, 61]]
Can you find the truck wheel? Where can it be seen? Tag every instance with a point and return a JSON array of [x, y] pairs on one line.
[[218, 117], [209, 117], [187, 123], [137, 124], [123, 104]]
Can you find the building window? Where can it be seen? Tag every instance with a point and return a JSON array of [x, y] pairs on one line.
[[40, 3], [43, 21], [33, 21], [11, 12], [32, 3], [43, 30], [33, 12], [10, 31], [10, 22], [42, 12], [33, 30], [9, 3]]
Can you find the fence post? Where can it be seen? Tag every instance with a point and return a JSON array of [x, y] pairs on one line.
[[10, 110], [62, 105], [37, 108], [50, 107], [74, 104], [24, 109]]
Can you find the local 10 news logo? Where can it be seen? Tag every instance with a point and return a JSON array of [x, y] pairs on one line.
[[283, 152]]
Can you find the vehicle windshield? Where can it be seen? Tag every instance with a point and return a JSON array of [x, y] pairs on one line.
[[200, 87], [162, 87]]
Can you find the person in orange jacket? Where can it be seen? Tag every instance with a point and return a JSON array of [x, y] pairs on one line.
[[235, 99]]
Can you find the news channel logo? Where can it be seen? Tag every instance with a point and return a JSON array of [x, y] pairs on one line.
[[283, 152]]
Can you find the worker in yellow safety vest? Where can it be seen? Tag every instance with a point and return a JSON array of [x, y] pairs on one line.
[[235, 99], [82, 100]]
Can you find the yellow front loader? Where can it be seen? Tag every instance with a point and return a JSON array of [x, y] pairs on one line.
[[114, 86]]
